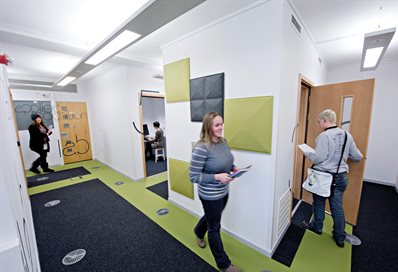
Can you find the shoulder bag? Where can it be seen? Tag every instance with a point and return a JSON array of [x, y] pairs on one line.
[[319, 182]]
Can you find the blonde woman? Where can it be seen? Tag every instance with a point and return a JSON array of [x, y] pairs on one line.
[[211, 165]]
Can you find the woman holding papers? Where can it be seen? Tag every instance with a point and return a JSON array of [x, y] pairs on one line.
[[211, 164], [326, 156]]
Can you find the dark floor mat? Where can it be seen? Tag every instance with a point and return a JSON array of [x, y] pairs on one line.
[[377, 228], [57, 176], [290, 243], [153, 168], [115, 235], [161, 189]]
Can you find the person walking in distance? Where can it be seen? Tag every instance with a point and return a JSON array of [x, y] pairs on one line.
[[39, 143]]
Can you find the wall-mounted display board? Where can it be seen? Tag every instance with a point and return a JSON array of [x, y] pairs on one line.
[[25, 109], [74, 130], [179, 178], [176, 81], [248, 123], [207, 94]]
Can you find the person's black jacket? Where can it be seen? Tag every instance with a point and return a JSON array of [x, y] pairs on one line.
[[36, 142]]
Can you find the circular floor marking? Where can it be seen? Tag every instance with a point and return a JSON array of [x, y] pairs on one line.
[[52, 203], [42, 178], [162, 211], [353, 240], [74, 257]]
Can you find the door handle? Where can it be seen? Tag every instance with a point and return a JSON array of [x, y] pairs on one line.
[[294, 130]]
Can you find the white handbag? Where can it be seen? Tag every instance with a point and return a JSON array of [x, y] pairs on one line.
[[320, 183]]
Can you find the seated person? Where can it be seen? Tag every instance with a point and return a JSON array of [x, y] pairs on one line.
[[153, 143]]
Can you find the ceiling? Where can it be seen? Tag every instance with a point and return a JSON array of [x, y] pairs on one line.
[[47, 38], [338, 27]]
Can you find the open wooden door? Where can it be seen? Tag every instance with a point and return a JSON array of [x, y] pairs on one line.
[[352, 102]]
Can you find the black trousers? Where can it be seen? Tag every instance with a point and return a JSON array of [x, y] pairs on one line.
[[211, 223], [42, 160]]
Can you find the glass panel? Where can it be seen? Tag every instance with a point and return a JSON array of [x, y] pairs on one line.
[[346, 115]]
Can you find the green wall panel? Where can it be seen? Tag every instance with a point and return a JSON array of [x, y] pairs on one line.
[[179, 179], [248, 123], [176, 81]]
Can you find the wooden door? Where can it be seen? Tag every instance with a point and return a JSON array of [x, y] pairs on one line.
[[74, 130], [332, 97]]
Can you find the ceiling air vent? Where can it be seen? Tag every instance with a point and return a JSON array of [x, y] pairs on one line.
[[296, 24]]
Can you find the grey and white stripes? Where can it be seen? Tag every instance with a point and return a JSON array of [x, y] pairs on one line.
[[207, 161]]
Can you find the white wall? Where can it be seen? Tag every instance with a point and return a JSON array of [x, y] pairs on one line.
[[54, 156], [382, 159], [299, 55], [245, 47], [113, 105], [153, 110], [18, 250]]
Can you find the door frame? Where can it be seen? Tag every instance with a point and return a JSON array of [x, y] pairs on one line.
[[148, 94], [300, 131]]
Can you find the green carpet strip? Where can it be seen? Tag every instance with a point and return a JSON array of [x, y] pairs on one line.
[[316, 253]]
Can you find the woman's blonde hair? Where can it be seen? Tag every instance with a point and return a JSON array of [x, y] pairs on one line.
[[206, 134], [328, 115]]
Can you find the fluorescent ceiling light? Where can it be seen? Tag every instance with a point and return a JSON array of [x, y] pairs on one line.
[[372, 56], [66, 81], [121, 41], [374, 46], [149, 18]]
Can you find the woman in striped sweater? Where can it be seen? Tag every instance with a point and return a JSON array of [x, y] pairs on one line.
[[211, 165]]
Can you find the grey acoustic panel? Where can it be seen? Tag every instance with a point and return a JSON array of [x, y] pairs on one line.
[[207, 94]]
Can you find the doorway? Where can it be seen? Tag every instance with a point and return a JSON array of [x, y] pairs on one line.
[[352, 102], [153, 128]]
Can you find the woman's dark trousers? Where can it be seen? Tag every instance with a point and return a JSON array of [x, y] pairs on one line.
[[211, 223], [42, 160]]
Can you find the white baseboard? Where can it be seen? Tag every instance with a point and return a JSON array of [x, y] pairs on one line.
[[279, 239], [244, 241], [379, 182], [126, 176]]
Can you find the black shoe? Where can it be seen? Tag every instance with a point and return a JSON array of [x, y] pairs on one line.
[[48, 170], [308, 226], [35, 170], [339, 244]]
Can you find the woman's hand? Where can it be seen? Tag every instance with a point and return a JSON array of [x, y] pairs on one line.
[[236, 169], [224, 178]]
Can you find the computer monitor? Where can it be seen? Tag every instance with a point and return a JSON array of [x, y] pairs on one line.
[[146, 131]]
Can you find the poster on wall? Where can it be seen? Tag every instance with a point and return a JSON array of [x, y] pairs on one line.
[[25, 109]]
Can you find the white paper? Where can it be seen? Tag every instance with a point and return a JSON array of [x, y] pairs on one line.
[[306, 148]]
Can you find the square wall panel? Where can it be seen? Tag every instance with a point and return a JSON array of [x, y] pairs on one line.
[[176, 81], [179, 178], [207, 94], [248, 123]]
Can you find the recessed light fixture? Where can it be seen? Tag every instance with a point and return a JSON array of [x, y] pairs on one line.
[[117, 44], [66, 81], [374, 47]]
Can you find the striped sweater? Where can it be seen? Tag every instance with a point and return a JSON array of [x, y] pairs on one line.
[[208, 160]]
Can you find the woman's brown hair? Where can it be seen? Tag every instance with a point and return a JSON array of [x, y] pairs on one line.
[[206, 134]]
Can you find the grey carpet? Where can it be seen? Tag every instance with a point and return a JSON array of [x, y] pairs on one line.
[[56, 176], [161, 189], [116, 235], [153, 168]]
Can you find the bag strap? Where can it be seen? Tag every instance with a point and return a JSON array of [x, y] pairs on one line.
[[342, 151]]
